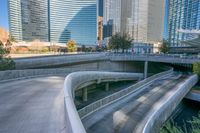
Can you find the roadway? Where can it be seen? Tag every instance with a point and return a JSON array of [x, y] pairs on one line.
[[124, 116], [32, 106]]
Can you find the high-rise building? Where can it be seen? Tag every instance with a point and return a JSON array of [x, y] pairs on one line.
[[183, 15], [57, 21], [34, 19], [112, 17], [74, 20], [101, 8], [143, 20], [15, 18], [29, 19]]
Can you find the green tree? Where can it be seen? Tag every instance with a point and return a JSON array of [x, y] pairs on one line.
[[5, 62], [164, 47], [1, 44], [3, 51], [196, 68], [72, 46], [114, 42], [119, 41], [126, 42]]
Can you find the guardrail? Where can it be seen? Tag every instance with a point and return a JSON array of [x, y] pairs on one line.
[[56, 55], [153, 58], [165, 106], [157, 55], [118, 95], [57, 60], [73, 81]]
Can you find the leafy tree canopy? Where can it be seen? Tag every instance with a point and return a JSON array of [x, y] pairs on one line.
[[72, 46], [120, 41], [164, 47]]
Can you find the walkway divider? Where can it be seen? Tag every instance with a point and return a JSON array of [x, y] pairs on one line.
[[73, 82]]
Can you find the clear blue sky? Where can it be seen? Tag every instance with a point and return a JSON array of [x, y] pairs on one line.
[[4, 14]]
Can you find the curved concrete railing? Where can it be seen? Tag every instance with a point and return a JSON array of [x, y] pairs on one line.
[[57, 60], [152, 58], [10, 75], [165, 106], [73, 82], [118, 95], [193, 95]]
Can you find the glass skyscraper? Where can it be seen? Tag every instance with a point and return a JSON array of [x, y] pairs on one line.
[[15, 18], [183, 15], [29, 19], [143, 20], [54, 20], [74, 20]]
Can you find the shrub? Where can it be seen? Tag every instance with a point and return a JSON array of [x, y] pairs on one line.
[[196, 68], [5, 63], [194, 125], [45, 49], [72, 46]]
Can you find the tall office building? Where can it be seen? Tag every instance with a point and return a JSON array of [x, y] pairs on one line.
[[143, 20], [101, 8], [57, 21], [15, 18], [112, 17], [29, 19], [183, 15], [74, 20]]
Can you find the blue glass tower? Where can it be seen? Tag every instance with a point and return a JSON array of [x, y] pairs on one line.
[[183, 14], [74, 20], [56, 21]]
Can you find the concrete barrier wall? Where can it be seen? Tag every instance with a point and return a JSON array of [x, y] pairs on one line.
[[118, 95], [73, 82], [91, 66], [57, 60], [152, 58], [161, 111]]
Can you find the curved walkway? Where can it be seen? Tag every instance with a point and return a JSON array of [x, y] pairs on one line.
[[126, 116], [35, 105], [32, 106]]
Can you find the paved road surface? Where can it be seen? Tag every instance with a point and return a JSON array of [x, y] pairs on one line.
[[131, 110], [32, 106]]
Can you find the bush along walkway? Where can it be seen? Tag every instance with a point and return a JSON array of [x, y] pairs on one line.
[[193, 126]]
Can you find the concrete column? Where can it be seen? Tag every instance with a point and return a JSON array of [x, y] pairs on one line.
[[107, 86], [145, 69], [84, 95]]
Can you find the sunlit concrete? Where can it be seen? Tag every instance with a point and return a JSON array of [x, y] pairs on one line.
[[32, 106]]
